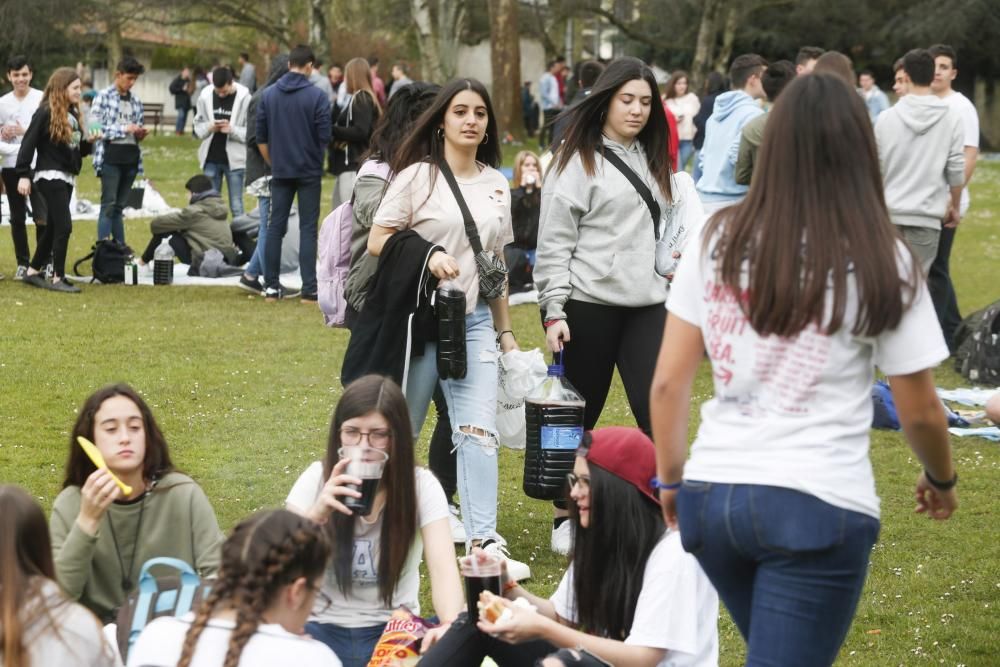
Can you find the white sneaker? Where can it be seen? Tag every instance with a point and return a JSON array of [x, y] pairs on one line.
[[22, 271], [562, 538], [457, 527], [517, 570]]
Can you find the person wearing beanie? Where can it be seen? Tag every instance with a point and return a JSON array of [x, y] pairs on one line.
[[196, 228], [640, 597]]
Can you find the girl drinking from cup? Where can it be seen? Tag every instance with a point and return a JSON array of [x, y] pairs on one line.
[[102, 535], [374, 567], [631, 594]]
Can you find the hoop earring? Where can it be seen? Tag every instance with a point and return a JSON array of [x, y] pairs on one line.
[[486, 138], [440, 134]]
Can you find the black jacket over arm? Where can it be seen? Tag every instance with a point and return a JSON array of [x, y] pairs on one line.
[[398, 317]]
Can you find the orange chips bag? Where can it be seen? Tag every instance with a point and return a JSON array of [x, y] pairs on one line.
[[399, 645]]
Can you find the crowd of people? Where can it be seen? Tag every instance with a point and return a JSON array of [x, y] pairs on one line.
[[639, 268]]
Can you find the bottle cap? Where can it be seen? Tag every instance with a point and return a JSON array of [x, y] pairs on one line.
[[556, 370]]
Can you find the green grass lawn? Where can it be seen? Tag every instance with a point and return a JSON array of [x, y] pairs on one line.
[[244, 391]]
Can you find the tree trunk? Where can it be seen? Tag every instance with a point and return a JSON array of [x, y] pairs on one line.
[[114, 45], [705, 46], [450, 25], [505, 60], [728, 37], [427, 40], [317, 28]]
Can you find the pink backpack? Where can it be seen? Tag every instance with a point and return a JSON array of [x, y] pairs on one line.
[[333, 257]]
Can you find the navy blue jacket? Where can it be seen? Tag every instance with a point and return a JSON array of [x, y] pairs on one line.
[[293, 119]]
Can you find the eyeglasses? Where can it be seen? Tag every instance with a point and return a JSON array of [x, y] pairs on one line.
[[323, 601], [583, 480], [379, 437]]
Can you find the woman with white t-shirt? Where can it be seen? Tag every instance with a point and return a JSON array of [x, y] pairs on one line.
[[685, 106], [630, 596], [272, 566], [797, 293], [375, 561]]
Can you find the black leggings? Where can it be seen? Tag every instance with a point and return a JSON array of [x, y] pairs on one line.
[[58, 227], [465, 644], [942, 290], [18, 215], [441, 458], [603, 337]]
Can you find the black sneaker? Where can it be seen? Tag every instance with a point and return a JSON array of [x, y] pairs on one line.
[[310, 298], [279, 292], [35, 280], [63, 286], [253, 286]]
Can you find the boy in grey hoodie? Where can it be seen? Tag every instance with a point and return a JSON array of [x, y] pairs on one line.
[[920, 147]]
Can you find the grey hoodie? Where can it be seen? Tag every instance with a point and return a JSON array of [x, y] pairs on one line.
[[921, 155], [595, 236]]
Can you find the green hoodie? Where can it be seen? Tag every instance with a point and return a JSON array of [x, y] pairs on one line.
[[177, 521], [204, 225]]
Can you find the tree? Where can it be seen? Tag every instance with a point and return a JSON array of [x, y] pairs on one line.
[[439, 24], [505, 61]]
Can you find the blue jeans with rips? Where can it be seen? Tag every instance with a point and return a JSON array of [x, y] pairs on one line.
[[472, 403], [116, 184], [234, 184], [788, 566]]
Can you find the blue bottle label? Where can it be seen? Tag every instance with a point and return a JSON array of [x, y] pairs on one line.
[[561, 437]]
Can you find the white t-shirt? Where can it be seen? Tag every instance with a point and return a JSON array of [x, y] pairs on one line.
[[161, 642], [364, 608], [438, 218], [13, 112], [794, 412], [77, 640], [970, 128], [678, 609]]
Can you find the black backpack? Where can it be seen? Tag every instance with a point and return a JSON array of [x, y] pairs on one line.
[[977, 340], [109, 261]]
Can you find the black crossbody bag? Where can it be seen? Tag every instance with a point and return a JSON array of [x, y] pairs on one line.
[[492, 271]]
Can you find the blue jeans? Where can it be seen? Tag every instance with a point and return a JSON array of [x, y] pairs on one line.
[[789, 567], [472, 402], [354, 646], [256, 266], [283, 191], [116, 184], [182, 115], [686, 150], [234, 184]]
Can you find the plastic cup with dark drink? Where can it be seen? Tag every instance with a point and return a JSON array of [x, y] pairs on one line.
[[481, 573], [366, 463]]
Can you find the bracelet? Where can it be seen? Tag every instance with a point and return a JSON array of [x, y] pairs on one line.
[[509, 586], [505, 331], [941, 486], [663, 486], [549, 323]]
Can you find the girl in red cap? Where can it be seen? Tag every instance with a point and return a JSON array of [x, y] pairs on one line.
[[797, 294], [631, 595]]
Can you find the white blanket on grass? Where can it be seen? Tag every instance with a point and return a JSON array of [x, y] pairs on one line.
[[181, 278]]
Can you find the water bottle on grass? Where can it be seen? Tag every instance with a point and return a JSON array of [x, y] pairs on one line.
[[163, 263]]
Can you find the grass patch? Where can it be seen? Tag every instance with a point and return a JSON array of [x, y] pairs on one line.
[[244, 392]]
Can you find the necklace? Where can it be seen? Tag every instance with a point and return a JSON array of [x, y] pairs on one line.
[[127, 583]]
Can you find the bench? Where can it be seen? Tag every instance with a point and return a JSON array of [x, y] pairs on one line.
[[153, 115]]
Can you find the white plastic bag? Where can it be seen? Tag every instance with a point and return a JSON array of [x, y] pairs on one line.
[[519, 374]]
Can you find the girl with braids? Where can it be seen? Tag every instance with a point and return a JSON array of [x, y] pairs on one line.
[[376, 558], [38, 625], [101, 536], [631, 595], [272, 566], [51, 153]]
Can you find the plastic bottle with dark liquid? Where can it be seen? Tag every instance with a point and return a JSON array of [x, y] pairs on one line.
[[450, 307], [554, 417], [163, 263]]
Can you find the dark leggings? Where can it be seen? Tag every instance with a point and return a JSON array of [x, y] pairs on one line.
[[603, 337], [942, 290], [18, 215], [177, 241], [465, 644], [442, 459], [58, 227]]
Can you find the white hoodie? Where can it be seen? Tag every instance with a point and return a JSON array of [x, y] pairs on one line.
[[920, 149]]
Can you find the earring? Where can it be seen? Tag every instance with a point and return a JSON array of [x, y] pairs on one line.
[[486, 137], [440, 134], [603, 115]]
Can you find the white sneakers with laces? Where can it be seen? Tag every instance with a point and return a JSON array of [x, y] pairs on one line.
[[457, 527], [515, 568], [562, 538]]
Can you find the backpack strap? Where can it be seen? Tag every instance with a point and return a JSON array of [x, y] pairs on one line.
[[149, 590], [77, 263], [640, 187], [470, 225]]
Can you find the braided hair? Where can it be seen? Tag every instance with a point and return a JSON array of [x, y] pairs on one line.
[[266, 552]]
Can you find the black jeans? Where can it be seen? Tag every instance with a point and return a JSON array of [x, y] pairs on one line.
[[58, 227], [465, 645], [941, 288], [177, 241], [603, 337], [18, 215]]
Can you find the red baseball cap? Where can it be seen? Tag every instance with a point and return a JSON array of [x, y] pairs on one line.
[[625, 452]]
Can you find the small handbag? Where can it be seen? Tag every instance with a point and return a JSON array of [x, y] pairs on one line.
[[492, 270]]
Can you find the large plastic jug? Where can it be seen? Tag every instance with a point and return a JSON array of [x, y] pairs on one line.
[[163, 263], [554, 417], [450, 307]]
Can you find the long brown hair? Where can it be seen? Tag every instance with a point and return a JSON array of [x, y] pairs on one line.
[[519, 161], [375, 393], [156, 462], [814, 220], [266, 552], [57, 100], [585, 122], [671, 91], [358, 75]]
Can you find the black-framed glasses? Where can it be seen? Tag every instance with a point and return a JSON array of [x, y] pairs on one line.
[[377, 437], [573, 479], [323, 602]]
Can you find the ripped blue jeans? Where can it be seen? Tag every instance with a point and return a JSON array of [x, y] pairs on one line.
[[472, 405]]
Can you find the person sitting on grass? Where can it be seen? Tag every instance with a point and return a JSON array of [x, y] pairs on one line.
[[38, 625], [196, 228], [376, 558], [631, 595], [101, 534], [272, 570]]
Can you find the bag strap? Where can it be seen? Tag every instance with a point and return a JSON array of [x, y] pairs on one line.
[[640, 187], [470, 225], [76, 265]]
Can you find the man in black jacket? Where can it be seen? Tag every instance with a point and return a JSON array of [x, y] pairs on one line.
[[180, 88]]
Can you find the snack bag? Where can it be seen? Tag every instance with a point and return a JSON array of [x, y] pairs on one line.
[[399, 645]]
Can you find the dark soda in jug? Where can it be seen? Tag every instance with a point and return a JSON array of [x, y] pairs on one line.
[[554, 418], [450, 307]]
